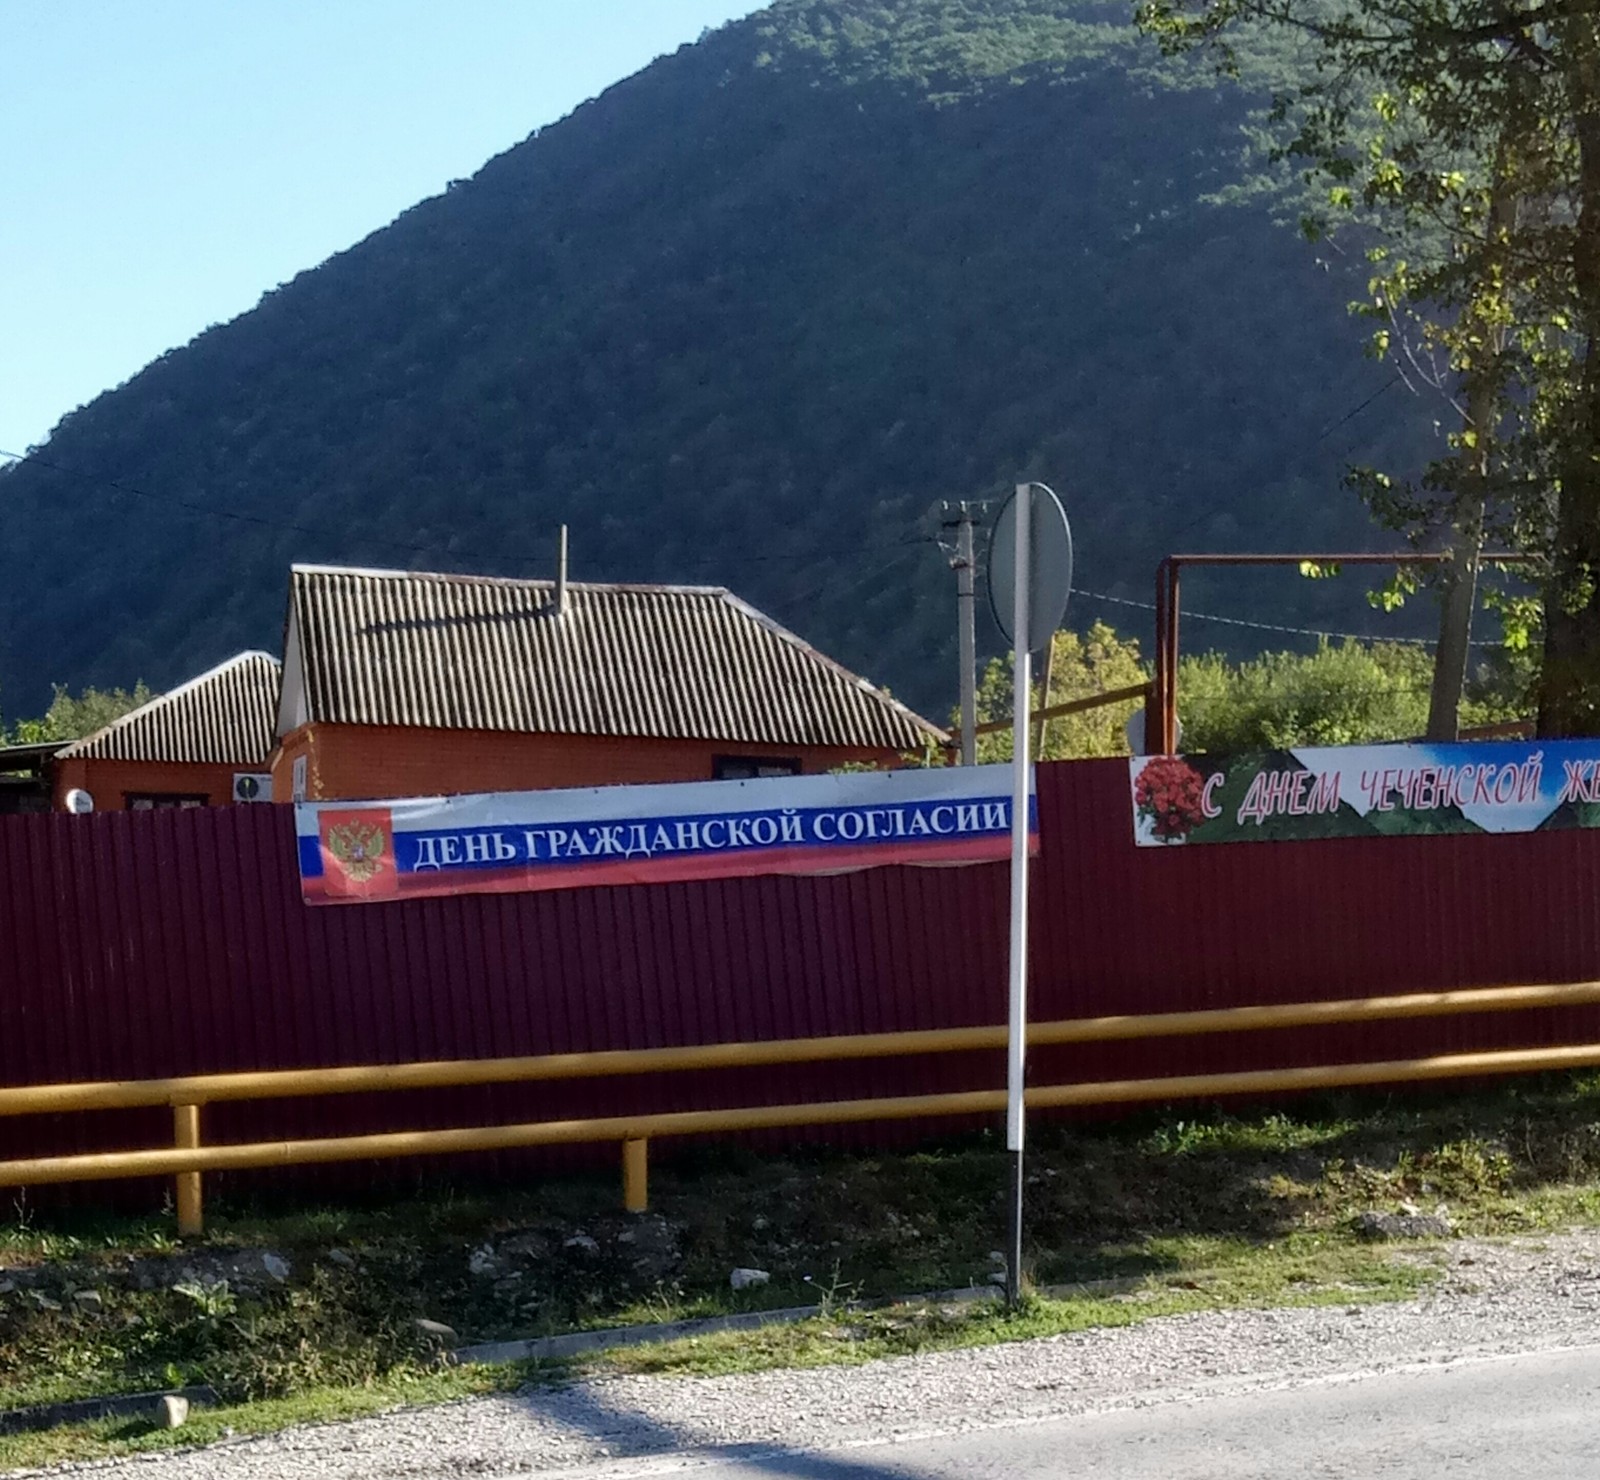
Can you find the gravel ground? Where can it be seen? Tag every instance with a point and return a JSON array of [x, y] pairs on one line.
[[1496, 1297]]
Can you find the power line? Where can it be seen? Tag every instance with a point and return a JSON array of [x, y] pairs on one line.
[[1334, 426], [898, 547], [238, 516], [853, 583], [1174, 533], [1190, 701], [1190, 614], [518, 557]]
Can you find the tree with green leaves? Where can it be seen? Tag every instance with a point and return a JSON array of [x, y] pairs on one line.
[[71, 717], [1347, 693], [1462, 139], [1080, 666]]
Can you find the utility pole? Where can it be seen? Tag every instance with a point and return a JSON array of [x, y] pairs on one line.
[[963, 563]]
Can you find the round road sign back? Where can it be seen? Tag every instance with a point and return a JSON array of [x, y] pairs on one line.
[[1050, 567]]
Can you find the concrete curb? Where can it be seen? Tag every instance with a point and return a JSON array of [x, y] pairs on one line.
[[542, 1348], [577, 1343], [87, 1410]]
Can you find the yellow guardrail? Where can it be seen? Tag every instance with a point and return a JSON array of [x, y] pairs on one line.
[[189, 1158]]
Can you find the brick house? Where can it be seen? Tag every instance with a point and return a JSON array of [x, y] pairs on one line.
[[207, 743], [411, 684]]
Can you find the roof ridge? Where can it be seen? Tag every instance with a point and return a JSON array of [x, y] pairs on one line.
[[158, 701], [468, 577], [810, 650]]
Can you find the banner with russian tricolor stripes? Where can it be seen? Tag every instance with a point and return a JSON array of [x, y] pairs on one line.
[[503, 842]]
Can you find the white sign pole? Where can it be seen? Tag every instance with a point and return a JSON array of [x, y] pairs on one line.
[[1016, 1046]]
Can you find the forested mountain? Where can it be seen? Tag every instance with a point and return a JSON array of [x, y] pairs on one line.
[[740, 320]]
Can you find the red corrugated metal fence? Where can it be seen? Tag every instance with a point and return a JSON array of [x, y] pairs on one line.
[[151, 944]]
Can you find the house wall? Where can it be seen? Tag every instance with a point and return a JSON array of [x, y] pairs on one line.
[[352, 762], [110, 782]]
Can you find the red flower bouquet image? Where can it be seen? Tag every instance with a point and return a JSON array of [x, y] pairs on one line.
[[1168, 791]]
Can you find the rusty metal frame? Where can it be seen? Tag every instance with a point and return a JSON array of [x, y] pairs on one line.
[[1164, 686]]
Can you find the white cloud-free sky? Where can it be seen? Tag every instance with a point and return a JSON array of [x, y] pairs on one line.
[[165, 162]]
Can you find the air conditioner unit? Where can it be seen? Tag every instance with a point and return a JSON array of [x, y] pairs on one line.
[[252, 786]]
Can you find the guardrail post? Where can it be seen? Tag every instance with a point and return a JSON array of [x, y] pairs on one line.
[[636, 1175], [186, 1136]]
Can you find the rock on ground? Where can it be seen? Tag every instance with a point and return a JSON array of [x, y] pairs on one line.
[[1376, 1225]]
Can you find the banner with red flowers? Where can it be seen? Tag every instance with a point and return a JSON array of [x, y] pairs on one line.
[[1365, 791]]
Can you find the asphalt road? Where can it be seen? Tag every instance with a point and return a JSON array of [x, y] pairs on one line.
[[1528, 1417]]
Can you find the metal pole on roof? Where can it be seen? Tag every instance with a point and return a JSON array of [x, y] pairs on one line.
[[561, 574]]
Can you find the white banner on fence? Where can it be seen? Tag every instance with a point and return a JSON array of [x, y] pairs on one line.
[[511, 841]]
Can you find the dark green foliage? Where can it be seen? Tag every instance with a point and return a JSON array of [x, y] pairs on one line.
[[70, 717], [1347, 694], [741, 320]]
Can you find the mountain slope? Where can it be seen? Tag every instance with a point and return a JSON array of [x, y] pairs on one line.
[[739, 320]]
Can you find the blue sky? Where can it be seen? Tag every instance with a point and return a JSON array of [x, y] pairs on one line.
[[165, 162]]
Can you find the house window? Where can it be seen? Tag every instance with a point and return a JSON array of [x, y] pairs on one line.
[[748, 767], [149, 801]]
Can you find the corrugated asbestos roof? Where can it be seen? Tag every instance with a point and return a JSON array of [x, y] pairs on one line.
[[225, 717], [479, 653]]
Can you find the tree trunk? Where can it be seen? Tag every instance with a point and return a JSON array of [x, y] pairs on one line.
[[1459, 577], [1457, 596], [1569, 698]]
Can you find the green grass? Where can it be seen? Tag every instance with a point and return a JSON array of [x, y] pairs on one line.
[[1158, 1214], [108, 1437], [1335, 1276], [1307, 1276]]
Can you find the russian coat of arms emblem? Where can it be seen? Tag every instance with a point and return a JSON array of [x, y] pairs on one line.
[[359, 847]]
